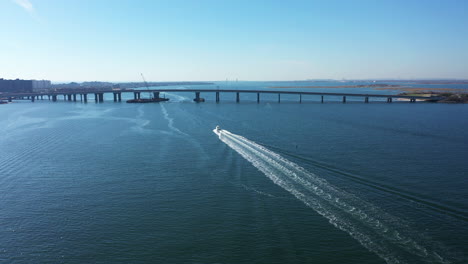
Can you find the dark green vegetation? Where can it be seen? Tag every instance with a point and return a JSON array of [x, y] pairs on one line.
[[447, 97], [455, 97]]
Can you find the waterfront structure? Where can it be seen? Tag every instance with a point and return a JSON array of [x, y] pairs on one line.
[[23, 86], [41, 85], [99, 95]]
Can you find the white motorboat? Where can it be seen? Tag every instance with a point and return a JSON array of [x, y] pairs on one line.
[[217, 130]]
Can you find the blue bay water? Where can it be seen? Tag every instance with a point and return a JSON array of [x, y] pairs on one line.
[[129, 183]]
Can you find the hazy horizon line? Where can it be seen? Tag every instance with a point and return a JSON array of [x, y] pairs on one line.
[[300, 80]]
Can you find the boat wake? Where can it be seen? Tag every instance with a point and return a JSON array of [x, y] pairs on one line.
[[178, 98], [170, 122], [256, 191], [376, 230]]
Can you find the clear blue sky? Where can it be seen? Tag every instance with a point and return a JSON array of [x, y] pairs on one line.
[[115, 40]]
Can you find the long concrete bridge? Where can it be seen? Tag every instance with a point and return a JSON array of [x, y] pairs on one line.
[[84, 95]]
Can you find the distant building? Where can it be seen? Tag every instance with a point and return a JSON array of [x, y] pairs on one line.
[[21, 86], [40, 85], [16, 85]]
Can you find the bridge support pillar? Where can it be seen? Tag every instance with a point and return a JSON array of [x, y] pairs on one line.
[[156, 95], [300, 98], [115, 97], [389, 100], [344, 99], [237, 97], [279, 98], [10, 99], [49, 96], [119, 97], [258, 98], [85, 98], [366, 100], [101, 97], [412, 100], [54, 98], [322, 99], [134, 95], [217, 97], [33, 98], [64, 97], [74, 97]]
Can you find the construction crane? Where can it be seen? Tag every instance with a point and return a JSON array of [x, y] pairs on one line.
[[151, 99], [157, 98], [147, 87], [146, 84]]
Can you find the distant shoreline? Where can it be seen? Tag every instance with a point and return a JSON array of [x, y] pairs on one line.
[[424, 89], [343, 86], [381, 87]]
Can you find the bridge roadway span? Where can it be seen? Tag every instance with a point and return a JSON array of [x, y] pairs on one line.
[[99, 95]]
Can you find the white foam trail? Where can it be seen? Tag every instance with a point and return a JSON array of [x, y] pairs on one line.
[[170, 121], [376, 230], [178, 98], [141, 123], [251, 189]]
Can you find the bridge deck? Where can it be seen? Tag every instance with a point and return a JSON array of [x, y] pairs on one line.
[[5, 95]]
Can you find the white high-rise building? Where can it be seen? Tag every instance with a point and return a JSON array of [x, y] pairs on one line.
[[39, 85]]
